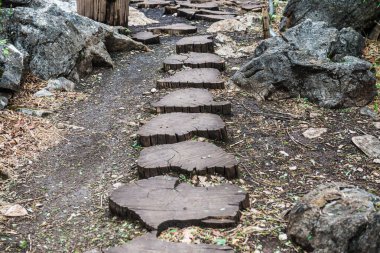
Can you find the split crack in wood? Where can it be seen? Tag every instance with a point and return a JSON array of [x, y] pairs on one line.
[[215, 207], [188, 157], [191, 100]]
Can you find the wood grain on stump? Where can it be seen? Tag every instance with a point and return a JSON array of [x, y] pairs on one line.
[[186, 13], [162, 202], [207, 6], [146, 38], [152, 4], [193, 78], [198, 44], [211, 12], [213, 18], [251, 6], [191, 101], [176, 127], [200, 1], [171, 9], [189, 157], [174, 29], [194, 60], [202, 14], [150, 244]]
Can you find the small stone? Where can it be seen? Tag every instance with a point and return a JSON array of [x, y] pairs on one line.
[[377, 125], [117, 185], [292, 168], [3, 102], [43, 93], [33, 112], [153, 90], [284, 153], [370, 145], [60, 84], [376, 161], [15, 210], [283, 237], [312, 133], [368, 112]]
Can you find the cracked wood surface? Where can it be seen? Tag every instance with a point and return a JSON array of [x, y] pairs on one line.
[[193, 78], [176, 127], [198, 44], [162, 202], [146, 37], [194, 60], [174, 29], [150, 244], [189, 157], [191, 100]]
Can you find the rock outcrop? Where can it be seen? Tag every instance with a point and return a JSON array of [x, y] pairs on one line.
[[357, 14], [314, 61], [59, 43], [335, 218]]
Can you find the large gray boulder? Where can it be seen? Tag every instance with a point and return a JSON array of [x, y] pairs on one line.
[[313, 61], [358, 14], [336, 218], [11, 67], [62, 43]]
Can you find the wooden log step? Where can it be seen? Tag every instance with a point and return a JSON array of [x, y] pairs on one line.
[[198, 44], [171, 9], [193, 78], [146, 38], [186, 13], [162, 202], [176, 127], [251, 6], [191, 101], [207, 6], [213, 18], [152, 4], [200, 1], [174, 29], [194, 60], [149, 243], [211, 12], [189, 157], [202, 14]]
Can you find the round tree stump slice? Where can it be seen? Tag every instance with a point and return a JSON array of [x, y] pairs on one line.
[[193, 78], [211, 12], [191, 101], [186, 13], [174, 29], [208, 6], [146, 38], [200, 1], [194, 60], [213, 18], [162, 202], [171, 9], [152, 4], [150, 244], [251, 6], [189, 157], [198, 44], [176, 127]]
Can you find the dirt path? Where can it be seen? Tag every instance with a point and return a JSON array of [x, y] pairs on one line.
[[66, 190]]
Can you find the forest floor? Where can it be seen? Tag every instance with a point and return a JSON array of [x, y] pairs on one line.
[[62, 168]]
